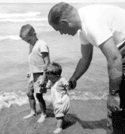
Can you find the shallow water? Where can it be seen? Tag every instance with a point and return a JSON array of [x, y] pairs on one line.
[[63, 49]]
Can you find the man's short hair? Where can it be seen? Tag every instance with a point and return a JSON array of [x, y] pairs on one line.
[[54, 69], [26, 30], [59, 11]]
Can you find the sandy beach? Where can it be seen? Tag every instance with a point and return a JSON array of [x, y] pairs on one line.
[[84, 117]]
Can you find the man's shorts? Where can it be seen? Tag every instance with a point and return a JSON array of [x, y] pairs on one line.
[[34, 84], [61, 109], [122, 51], [121, 93]]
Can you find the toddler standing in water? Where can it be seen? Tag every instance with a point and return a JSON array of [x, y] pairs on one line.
[[60, 97]]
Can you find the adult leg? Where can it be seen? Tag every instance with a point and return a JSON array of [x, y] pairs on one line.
[[32, 101]]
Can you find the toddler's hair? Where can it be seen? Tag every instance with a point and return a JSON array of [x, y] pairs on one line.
[[54, 68]]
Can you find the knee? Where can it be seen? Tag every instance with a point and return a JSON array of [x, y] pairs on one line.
[[30, 95]]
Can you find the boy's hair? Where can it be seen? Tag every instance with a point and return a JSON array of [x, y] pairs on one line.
[[27, 29], [59, 11], [54, 68]]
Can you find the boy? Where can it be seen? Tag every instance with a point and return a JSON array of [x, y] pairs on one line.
[[38, 62], [60, 97]]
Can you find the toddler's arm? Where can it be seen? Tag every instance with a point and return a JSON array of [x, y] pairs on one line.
[[49, 84], [67, 87]]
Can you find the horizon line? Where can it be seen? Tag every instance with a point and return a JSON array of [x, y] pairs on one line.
[[56, 2]]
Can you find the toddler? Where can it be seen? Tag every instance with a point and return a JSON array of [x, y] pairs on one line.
[[59, 94]]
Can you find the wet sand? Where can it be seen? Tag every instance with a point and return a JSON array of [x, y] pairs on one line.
[[84, 117]]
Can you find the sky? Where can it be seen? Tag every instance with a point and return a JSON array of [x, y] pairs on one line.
[[56, 1]]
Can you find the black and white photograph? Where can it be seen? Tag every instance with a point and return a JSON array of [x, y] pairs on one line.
[[62, 66]]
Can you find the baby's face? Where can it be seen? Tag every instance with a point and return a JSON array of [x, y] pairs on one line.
[[52, 77]]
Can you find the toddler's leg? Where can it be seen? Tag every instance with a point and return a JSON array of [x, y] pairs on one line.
[[59, 125]]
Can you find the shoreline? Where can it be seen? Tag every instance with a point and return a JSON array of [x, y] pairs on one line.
[[87, 117], [84, 117]]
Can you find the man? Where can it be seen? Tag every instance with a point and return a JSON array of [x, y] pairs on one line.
[[38, 62], [102, 26]]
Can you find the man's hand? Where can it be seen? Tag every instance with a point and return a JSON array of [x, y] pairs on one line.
[[72, 83], [113, 103]]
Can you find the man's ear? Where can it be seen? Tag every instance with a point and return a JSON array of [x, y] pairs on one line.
[[64, 22]]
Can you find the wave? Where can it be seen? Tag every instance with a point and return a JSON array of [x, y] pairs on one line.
[[7, 99], [17, 15], [12, 37], [21, 17], [24, 20], [80, 95]]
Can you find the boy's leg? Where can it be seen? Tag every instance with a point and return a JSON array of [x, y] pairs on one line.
[[39, 95], [32, 101], [42, 105]]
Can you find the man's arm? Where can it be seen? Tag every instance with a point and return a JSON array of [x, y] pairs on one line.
[[114, 64], [83, 64]]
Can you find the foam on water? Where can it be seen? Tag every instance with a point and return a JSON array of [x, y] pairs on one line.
[[7, 99], [79, 95], [12, 37], [21, 20], [17, 15], [22, 17]]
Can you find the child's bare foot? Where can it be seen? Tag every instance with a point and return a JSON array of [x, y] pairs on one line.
[[58, 130], [29, 115], [42, 118]]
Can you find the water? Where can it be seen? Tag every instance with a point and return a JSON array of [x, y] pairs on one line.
[[63, 49]]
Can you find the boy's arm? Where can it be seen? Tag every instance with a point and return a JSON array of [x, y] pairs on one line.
[[47, 62], [66, 84], [46, 59]]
